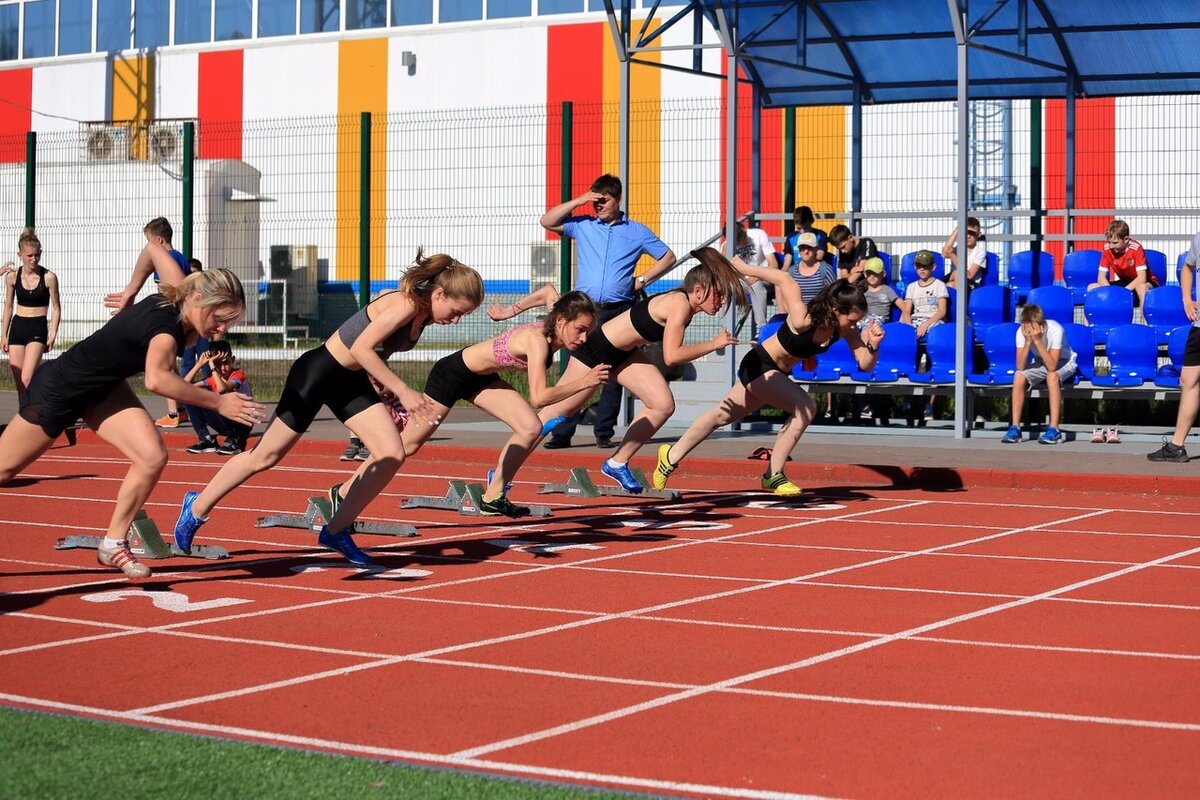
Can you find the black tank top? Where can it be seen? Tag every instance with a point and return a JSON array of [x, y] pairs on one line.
[[38, 296], [801, 345], [647, 327]]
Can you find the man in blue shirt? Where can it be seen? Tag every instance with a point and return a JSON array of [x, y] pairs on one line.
[[609, 246]]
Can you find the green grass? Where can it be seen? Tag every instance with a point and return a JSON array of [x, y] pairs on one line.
[[53, 756]]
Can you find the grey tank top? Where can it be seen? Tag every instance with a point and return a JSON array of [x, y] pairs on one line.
[[398, 341]]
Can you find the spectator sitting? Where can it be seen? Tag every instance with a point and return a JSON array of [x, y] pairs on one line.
[[927, 301], [1043, 342], [976, 255], [881, 298], [852, 252], [1123, 262], [224, 377], [811, 274]]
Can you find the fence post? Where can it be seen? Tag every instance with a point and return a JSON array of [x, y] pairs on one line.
[[30, 178], [564, 256], [789, 169], [1035, 173], [189, 188], [364, 211]]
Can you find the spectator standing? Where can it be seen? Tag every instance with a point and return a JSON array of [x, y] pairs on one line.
[[852, 251], [1189, 376], [32, 311], [976, 255], [1044, 356], [610, 245]]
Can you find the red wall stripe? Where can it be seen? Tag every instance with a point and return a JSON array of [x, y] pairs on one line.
[[575, 73], [1095, 167], [16, 91], [770, 157], [219, 104]]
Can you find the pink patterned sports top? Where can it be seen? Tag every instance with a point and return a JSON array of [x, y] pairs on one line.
[[505, 359]]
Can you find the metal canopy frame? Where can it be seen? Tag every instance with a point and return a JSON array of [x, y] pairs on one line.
[[830, 40]]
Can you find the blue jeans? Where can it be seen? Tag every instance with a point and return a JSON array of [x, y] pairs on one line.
[[203, 419]]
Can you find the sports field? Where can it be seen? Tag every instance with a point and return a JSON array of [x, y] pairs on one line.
[[864, 641]]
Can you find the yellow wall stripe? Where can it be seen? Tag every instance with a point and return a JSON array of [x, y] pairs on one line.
[[821, 165], [643, 187], [362, 86], [133, 97]]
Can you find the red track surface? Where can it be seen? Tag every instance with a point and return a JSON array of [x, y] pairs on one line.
[[869, 641]]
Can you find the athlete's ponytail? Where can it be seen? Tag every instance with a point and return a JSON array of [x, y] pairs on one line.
[[441, 271]]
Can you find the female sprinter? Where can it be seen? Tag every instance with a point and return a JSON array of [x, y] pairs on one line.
[[89, 381], [765, 372], [660, 318], [338, 374], [470, 374], [31, 311]]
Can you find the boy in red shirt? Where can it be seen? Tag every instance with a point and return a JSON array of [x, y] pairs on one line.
[[1123, 262], [224, 377]]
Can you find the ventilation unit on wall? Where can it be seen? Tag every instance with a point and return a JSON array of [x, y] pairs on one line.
[[104, 143], [164, 141], [543, 260]]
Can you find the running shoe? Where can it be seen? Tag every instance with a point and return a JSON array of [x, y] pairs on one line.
[[167, 421], [363, 453], [122, 559], [206, 445], [1169, 452], [1111, 436], [664, 468], [1099, 436], [1012, 435], [231, 447], [343, 543], [492, 474], [1051, 435], [623, 476], [187, 524], [551, 424], [502, 506], [350, 453], [780, 485]]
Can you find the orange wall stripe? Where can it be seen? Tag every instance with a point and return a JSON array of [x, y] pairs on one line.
[[219, 104], [16, 89], [821, 163], [133, 96], [362, 86]]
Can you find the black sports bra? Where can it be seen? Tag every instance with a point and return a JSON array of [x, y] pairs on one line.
[[801, 345], [37, 297], [647, 327], [398, 341]]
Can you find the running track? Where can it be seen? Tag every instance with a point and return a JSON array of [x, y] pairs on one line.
[[866, 642]]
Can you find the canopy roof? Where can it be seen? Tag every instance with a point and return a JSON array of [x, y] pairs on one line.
[[820, 52]]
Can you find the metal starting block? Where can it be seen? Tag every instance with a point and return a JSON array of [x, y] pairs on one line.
[[580, 484], [319, 512], [464, 498], [145, 541]]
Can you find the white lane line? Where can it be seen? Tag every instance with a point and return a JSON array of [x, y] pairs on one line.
[[806, 662]]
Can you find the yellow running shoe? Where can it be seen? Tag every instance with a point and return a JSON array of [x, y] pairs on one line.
[[780, 485], [664, 468]]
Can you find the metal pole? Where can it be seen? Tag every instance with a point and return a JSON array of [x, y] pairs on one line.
[[731, 84], [623, 129], [1035, 173], [789, 169], [755, 152], [30, 179], [1069, 220], [189, 190], [565, 194], [961, 410], [364, 211], [856, 145]]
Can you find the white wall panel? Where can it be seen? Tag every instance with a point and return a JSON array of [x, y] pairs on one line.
[[177, 86], [294, 79], [76, 90]]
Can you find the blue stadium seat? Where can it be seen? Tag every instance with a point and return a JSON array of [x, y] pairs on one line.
[[1028, 270], [1132, 356], [1080, 269], [1179, 270], [897, 355], [1167, 375], [1164, 310], [951, 304], [1000, 347], [992, 276], [939, 348], [1107, 307], [1056, 302], [988, 306], [908, 267], [770, 326], [1081, 341], [835, 362], [1156, 265]]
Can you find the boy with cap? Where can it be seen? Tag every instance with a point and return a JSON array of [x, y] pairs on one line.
[[881, 298], [976, 255], [926, 302]]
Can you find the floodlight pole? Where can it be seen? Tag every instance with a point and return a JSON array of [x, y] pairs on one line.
[[962, 411]]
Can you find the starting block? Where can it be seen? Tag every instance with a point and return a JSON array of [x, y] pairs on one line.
[[580, 484], [319, 512], [145, 541], [464, 498]]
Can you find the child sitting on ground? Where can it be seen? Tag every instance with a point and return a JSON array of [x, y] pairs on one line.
[[224, 377]]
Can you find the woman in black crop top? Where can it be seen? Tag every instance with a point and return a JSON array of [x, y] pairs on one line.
[[765, 372], [31, 311], [339, 374], [662, 318], [89, 381]]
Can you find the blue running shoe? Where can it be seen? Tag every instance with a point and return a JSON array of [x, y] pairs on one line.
[[492, 474], [623, 476], [187, 524], [1012, 435], [343, 542], [551, 424]]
